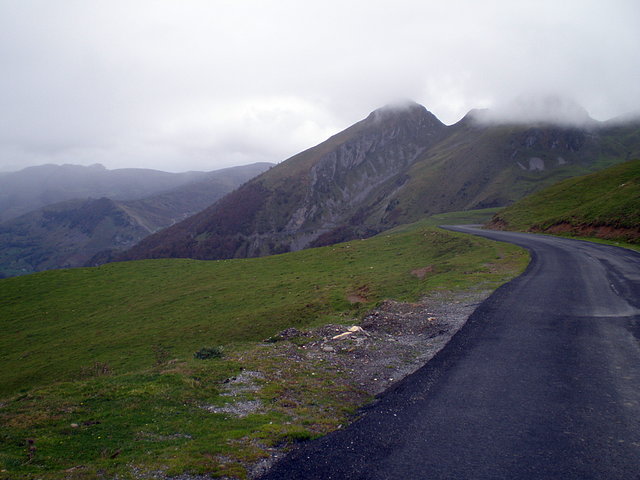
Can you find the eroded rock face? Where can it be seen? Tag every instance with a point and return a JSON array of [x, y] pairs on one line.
[[552, 138], [346, 178], [316, 199], [536, 164]]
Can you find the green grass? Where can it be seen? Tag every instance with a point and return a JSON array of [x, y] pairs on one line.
[[467, 217], [98, 364], [605, 203]]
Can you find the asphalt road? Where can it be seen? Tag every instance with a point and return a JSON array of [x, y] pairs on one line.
[[543, 382]]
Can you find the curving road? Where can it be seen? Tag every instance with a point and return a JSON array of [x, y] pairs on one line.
[[543, 382]]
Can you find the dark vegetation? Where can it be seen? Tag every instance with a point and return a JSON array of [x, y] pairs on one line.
[[206, 353]]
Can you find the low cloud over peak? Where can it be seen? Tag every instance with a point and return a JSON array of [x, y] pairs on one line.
[[535, 109]]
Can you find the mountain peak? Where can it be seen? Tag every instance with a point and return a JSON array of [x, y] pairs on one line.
[[396, 166], [399, 108], [405, 105], [404, 111]]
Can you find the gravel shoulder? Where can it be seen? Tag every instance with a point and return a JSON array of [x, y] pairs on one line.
[[391, 342], [365, 358]]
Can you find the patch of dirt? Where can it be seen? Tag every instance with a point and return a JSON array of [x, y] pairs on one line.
[[422, 272], [239, 408], [355, 298], [243, 383], [359, 296], [497, 223], [237, 388], [608, 232]]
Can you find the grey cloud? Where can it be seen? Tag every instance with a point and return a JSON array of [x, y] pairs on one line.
[[198, 84], [536, 108]]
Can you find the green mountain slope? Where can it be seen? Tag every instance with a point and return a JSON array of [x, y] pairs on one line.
[[398, 165], [605, 204], [488, 166], [66, 234], [131, 304]]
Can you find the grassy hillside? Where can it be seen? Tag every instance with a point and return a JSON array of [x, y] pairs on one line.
[[98, 373], [605, 204], [466, 217], [491, 166]]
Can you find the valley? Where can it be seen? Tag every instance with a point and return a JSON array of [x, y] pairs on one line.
[[89, 231]]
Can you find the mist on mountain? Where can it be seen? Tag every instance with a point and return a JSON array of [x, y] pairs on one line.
[[536, 108]]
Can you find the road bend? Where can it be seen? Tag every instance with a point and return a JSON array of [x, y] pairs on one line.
[[542, 382]]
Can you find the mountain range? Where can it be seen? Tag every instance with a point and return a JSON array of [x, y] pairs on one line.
[[396, 166], [72, 232], [35, 187]]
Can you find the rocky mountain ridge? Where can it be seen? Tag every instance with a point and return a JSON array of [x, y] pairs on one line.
[[396, 166], [361, 167], [311, 194]]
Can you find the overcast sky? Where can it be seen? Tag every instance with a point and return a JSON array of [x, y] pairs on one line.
[[198, 85]]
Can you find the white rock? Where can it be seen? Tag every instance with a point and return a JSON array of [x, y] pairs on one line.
[[341, 335]]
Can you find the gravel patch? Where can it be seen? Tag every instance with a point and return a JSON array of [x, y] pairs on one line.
[[241, 408], [237, 388], [391, 342]]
